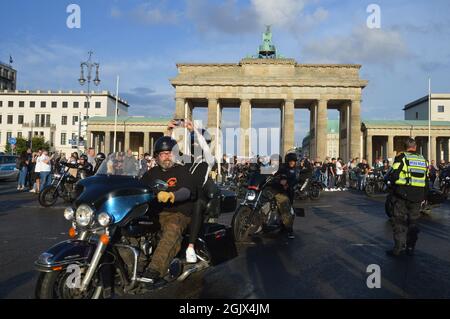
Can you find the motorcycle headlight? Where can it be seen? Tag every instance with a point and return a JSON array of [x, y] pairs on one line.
[[371, 176], [447, 178], [84, 215], [104, 219], [251, 195], [69, 213], [56, 175]]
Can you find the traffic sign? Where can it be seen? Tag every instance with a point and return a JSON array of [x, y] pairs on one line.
[[12, 141]]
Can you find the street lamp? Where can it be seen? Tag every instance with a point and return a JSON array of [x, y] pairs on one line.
[[89, 65]]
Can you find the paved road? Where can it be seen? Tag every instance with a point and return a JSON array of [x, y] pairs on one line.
[[339, 237]]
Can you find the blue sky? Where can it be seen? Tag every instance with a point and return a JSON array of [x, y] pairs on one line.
[[143, 40]]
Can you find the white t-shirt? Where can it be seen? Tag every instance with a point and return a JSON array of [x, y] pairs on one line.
[[43, 167], [339, 170]]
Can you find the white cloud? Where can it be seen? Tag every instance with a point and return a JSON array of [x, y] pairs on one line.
[[149, 13], [281, 12], [362, 45]]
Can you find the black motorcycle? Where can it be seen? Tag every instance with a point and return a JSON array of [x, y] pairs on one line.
[[444, 181], [375, 183], [115, 231], [309, 189], [62, 186], [259, 211]]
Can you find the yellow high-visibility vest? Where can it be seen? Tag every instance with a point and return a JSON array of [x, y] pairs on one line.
[[414, 170]]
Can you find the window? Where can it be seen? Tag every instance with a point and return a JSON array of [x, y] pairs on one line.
[[21, 103], [43, 104], [441, 108], [98, 105], [0, 119], [10, 103], [52, 139], [19, 134], [20, 119], [32, 104], [1, 103], [10, 119], [8, 135], [74, 136], [36, 120], [85, 105], [63, 138], [64, 120], [47, 120], [76, 105], [54, 105], [74, 120], [65, 105], [417, 115]]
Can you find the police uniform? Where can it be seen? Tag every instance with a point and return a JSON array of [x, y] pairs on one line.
[[409, 179]]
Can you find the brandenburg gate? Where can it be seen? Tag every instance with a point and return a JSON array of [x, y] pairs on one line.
[[270, 81]]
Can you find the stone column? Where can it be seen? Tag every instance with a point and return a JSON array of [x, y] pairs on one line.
[[369, 150], [127, 141], [212, 113], [107, 142], [245, 125], [288, 128], [179, 108], [89, 139], [390, 147], [355, 129], [146, 142], [322, 129], [312, 131], [433, 149], [214, 121]]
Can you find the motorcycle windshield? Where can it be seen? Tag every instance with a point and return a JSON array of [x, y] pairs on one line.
[[120, 164]]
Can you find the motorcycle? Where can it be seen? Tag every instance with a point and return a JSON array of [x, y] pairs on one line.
[[309, 189], [114, 233], [259, 210], [375, 183], [62, 185], [444, 181]]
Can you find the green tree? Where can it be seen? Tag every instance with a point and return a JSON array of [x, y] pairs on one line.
[[22, 145]]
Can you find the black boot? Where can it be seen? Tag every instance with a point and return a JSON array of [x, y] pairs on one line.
[[152, 275]]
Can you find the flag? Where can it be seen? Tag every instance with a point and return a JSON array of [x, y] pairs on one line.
[[11, 59]]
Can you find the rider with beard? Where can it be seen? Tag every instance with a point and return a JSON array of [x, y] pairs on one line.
[[174, 205], [199, 163], [283, 187]]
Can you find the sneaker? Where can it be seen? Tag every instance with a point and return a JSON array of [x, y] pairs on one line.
[[191, 256], [33, 191], [18, 188]]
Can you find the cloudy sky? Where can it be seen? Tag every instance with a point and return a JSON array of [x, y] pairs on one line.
[[143, 40]]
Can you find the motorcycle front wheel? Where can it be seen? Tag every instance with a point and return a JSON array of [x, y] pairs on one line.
[[242, 226], [48, 196], [314, 193], [53, 285]]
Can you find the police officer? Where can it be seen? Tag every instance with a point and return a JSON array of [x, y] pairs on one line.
[[409, 181], [174, 205]]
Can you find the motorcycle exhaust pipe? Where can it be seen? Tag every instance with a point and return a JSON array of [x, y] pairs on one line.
[[93, 266]]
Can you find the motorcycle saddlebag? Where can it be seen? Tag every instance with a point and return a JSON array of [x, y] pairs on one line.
[[219, 241], [228, 201], [435, 197]]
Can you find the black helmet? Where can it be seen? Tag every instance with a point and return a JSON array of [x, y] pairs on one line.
[[100, 157], [84, 157], [164, 144], [204, 133], [290, 157]]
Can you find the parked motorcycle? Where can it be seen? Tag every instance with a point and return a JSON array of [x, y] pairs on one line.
[[309, 189], [259, 211], [375, 183], [444, 181], [62, 185], [114, 233]]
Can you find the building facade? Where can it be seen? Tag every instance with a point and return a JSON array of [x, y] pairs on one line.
[[332, 141], [136, 133], [385, 139], [268, 81], [54, 115], [418, 110], [8, 77]]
